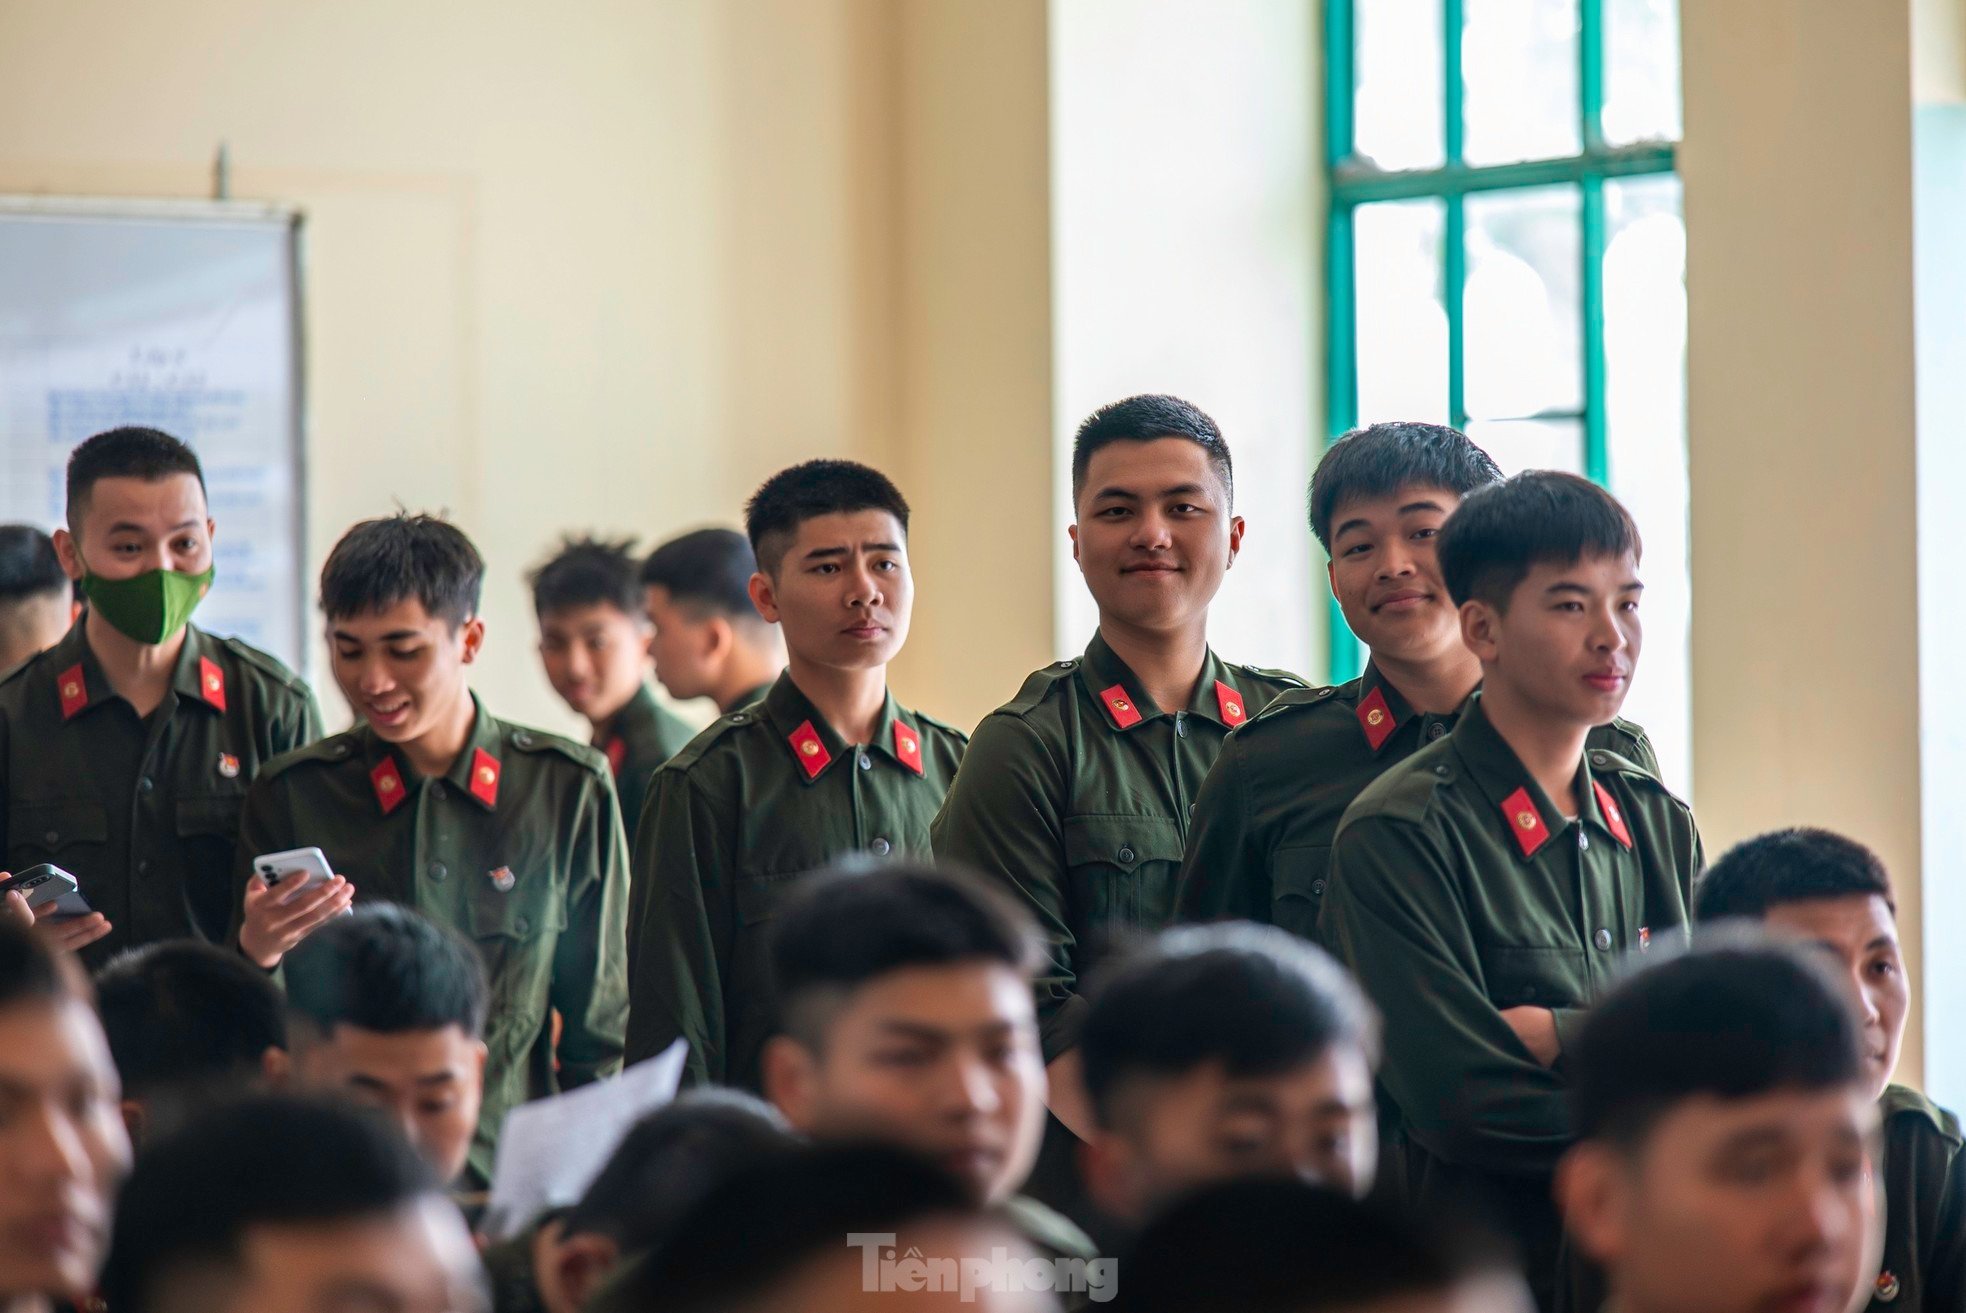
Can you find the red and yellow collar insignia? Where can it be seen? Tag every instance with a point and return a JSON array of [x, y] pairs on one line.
[[1230, 701], [617, 750], [211, 683], [73, 688], [484, 777], [908, 746], [810, 750], [1121, 706], [1375, 717], [1614, 816], [388, 784], [1525, 822]]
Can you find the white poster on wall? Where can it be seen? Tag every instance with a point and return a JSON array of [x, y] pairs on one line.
[[180, 317]]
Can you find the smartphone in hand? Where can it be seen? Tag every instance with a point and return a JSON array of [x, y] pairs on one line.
[[293, 871], [45, 884]]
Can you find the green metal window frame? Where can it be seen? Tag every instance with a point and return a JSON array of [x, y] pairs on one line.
[[1353, 182]]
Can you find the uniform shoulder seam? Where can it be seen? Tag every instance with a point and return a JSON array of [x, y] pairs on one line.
[[708, 737], [327, 751], [264, 662], [1037, 687]]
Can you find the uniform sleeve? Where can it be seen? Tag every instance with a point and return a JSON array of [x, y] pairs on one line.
[[1224, 874], [300, 726], [590, 976], [1470, 1091], [1002, 818], [681, 929]]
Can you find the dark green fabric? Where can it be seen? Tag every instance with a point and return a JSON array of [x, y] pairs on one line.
[[731, 824], [648, 734], [551, 938], [144, 812], [1925, 1207], [1080, 815]]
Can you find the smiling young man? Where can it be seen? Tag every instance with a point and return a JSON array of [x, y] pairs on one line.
[[1830, 891], [1482, 890], [127, 747], [1076, 794], [826, 765], [1260, 842], [507, 834], [710, 641], [595, 642]]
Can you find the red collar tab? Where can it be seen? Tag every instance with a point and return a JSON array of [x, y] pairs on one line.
[[1376, 718], [810, 750], [211, 683], [1614, 815], [484, 777], [388, 784], [1122, 707], [73, 687], [617, 750], [908, 746], [1525, 822], [1230, 701]]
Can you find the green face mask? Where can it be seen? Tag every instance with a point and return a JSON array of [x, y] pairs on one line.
[[149, 607]]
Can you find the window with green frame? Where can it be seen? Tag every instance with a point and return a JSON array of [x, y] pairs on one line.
[[1506, 255]]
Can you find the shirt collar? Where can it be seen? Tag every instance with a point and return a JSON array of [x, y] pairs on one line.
[[637, 713], [483, 752], [197, 678], [1533, 820], [801, 728], [1124, 700]]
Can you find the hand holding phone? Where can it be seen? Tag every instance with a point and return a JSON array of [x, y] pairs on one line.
[[50, 900], [294, 870], [288, 897]]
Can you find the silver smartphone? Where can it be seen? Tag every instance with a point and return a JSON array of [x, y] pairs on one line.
[[295, 870], [45, 884]]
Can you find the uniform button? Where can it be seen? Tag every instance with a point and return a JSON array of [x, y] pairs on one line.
[[738, 718], [1317, 887], [1597, 759], [866, 762], [439, 871], [143, 866], [522, 925], [53, 837], [1126, 854], [1440, 770], [1435, 730], [1191, 809], [146, 784], [1602, 939], [1181, 725], [340, 751], [522, 740], [881, 847], [1583, 840], [437, 792]]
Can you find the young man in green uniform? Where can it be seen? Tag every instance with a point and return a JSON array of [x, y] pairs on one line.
[[827, 764], [1482, 890], [710, 641], [127, 747], [1260, 842], [594, 641], [37, 598], [1724, 1136], [1076, 793], [506, 834], [1831, 891]]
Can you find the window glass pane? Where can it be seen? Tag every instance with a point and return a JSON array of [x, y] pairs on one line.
[[1645, 430], [1519, 61], [1402, 323], [1523, 303], [1531, 444], [1397, 106], [1641, 71]]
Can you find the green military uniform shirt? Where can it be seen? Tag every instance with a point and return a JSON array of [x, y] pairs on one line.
[[518, 847], [1924, 1265], [1076, 794], [142, 811], [760, 798], [642, 735], [1457, 890], [1260, 842]]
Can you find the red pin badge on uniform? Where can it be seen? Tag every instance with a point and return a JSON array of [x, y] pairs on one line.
[[617, 751], [908, 746], [1230, 703], [211, 683], [1614, 817], [810, 750], [73, 689], [387, 782], [1375, 717], [1525, 822], [484, 777], [1124, 711]]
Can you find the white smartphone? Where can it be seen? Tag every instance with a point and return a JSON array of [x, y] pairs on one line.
[[294, 870]]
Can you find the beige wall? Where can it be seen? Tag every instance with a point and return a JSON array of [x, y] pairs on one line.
[[608, 265]]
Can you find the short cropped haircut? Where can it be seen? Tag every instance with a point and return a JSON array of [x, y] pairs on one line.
[[1379, 460], [183, 1218], [708, 572], [805, 492], [386, 969], [588, 572], [1789, 866], [403, 558], [29, 971], [1239, 1247], [1736, 1016], [29, 566], [670, 1159], [1143, 419], [853, 924], [126, 453], [1256, 999], [182, 1015], [1541, 517], [761, 1224]]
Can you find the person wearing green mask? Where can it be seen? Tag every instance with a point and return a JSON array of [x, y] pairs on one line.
[[126, 749]]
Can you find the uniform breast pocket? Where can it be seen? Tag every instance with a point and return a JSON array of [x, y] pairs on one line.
[[760, 894], [510, 908], [1122, 868], [1297, 883], [61, 833], [1539, 977]]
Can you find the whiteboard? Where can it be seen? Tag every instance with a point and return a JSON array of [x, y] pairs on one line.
[[180, 316]]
